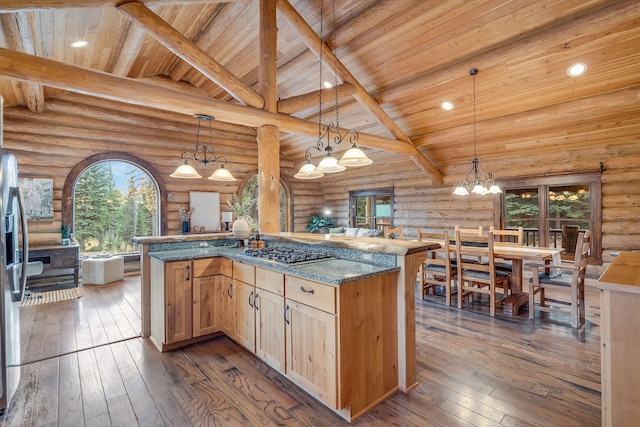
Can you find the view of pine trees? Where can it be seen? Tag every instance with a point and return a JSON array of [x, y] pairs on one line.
[[106, 217]]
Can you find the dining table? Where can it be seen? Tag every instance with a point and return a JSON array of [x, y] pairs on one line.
[[517, 255]]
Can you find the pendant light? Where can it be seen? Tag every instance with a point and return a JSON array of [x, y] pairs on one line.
[[204, 155], [476, 181], [354, 157]]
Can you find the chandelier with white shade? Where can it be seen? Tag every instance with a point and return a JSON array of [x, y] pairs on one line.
[[205, 155], [353, 157]]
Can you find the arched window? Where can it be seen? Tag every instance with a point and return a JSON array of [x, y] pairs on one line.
[[110, 198], [249, 190]]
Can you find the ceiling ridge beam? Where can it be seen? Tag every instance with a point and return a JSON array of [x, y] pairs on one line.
[[16, 5], [314, 43], [21, 66], [190, 52]]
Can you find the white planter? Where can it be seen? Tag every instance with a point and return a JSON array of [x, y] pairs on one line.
[[241, 228]]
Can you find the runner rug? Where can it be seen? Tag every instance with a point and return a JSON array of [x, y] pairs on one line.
[[36, 298]]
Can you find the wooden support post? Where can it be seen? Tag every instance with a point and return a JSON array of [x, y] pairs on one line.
[[269, 179]]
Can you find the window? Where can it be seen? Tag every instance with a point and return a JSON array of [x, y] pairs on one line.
[[551, 210], [113, 202], [371, 208], [251, 192]]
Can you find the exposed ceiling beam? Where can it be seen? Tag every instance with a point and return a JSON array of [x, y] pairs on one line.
[[307, 100], [15, 5], [188, 51], [315, 44], [129, 50], [20, 66], [20, 32]]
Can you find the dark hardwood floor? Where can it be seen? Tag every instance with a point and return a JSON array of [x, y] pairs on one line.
[[474, 370]]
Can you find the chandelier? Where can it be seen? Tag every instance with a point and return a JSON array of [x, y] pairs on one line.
[[204, 155], [353, 157], [476, 181]]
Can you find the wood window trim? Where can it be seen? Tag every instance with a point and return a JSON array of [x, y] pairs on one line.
[[366, 193], [78, 169], [594, 179]]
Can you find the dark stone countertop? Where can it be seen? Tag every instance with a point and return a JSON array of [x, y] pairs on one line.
[[333, 271]]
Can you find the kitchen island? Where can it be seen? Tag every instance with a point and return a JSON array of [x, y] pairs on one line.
[[363, 295]]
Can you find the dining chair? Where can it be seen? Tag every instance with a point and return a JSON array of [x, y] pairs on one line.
[[506, 237], [438, 270], [394, 233], [478, 278], [471, 233], [571, 276]]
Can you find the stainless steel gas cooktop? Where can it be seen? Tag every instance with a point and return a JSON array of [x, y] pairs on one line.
[[287, 255]]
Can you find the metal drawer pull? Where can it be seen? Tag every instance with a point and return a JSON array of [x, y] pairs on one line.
[[285, 315], [250, 295], [188, 272], [306, 291], [255, 301], [229, 290]]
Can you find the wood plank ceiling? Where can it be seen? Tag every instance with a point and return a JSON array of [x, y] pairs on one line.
[[401, 59]]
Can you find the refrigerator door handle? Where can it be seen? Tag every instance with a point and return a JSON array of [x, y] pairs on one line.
[[16, 192]]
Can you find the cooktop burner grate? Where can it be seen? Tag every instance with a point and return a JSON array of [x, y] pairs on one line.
[[287, 255]]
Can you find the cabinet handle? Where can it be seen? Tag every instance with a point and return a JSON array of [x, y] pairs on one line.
[[250, 295], [255, 301], [306, 291], [285, 315], [229, 290], [188, 272]]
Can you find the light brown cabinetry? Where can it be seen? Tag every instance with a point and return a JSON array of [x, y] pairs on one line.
[[269, 305], [620, 320], [311, 344], [186, 302]]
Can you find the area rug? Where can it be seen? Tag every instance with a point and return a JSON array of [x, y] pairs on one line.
[[36, 298]]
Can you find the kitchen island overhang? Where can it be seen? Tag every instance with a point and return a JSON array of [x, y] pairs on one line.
[[408, 257]]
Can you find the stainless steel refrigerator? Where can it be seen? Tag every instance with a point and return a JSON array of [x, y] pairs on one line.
[[15, 249]]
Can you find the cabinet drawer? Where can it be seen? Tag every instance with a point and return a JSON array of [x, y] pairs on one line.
[[271, 281], [209, 266], [311, 293], [64, 257], [244, 272]]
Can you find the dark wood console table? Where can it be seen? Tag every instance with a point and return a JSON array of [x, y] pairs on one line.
[[55, 257]]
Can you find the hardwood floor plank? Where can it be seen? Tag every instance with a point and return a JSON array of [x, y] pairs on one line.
[[45, 412], [139, 395], [70, 410], [22, 405], [112, 384], [93, 399], [120, 411], [211, 407]]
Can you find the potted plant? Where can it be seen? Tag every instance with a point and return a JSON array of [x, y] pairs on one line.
[[185, 216], [320, 224], [243, 225], [66, 237]]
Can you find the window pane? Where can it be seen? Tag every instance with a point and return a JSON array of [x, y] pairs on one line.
[[522, 203], [383, 206], [362, 206]]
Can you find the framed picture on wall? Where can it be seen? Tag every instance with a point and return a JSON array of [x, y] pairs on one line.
[[38, 197]]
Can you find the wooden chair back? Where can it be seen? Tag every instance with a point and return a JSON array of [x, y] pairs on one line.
[[394, 233], [477, 277], [508, 237], [468, 231], [574, 304], [437, 269]]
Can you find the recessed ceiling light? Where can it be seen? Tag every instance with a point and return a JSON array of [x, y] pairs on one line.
[[576, 70], [328, 84], [79, 43], [446, 105]]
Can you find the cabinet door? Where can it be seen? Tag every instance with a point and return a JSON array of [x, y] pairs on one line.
[[311, 350], [245, 316], [178, 300], [228, 298], [270, 328], [206, 305]]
